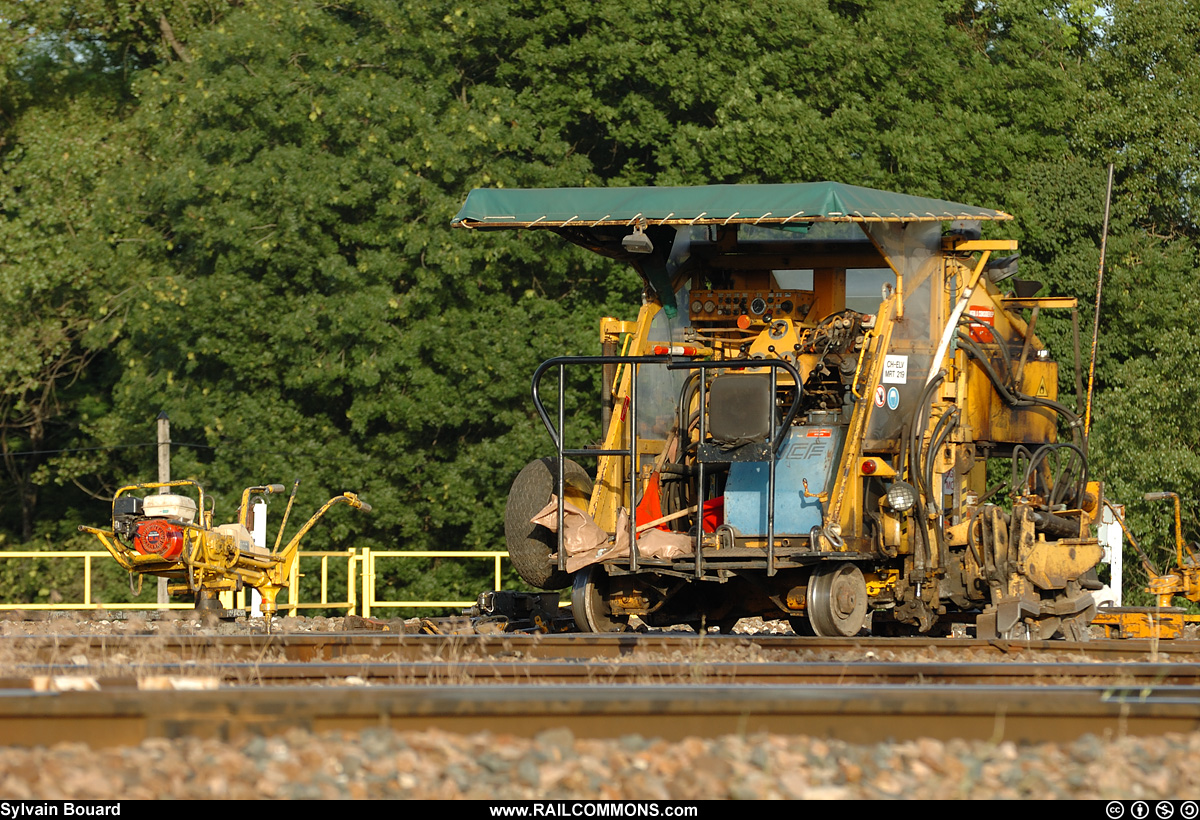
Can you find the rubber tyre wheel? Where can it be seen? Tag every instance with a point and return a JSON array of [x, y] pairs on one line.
[[531, 545]]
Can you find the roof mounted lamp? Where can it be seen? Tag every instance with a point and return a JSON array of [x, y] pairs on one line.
[[638, 242]]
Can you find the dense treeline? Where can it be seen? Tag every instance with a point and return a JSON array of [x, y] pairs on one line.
[[238, 212]]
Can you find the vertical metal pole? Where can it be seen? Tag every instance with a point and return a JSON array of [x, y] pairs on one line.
[[294, 588], [259, 536], [700, 473], [368, 581], [560, 483], [631, 423], [608, 377], [771, 477], [164, 475], [1087, 413]]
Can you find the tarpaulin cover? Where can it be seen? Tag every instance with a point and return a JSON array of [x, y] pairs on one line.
[[586, 543], [704, 205]]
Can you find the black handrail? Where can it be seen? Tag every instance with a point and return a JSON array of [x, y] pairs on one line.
[[557, 435]]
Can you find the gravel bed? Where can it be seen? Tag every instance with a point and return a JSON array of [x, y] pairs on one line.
[[555, 765]]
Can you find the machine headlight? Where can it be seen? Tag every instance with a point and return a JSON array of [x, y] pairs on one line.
[[901, 496]]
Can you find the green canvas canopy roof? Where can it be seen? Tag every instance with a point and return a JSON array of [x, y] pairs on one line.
[[704, 205]]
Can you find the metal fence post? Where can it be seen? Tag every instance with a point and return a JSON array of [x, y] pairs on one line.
[[368, 582]]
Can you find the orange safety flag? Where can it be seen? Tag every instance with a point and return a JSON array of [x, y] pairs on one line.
[[650, 507]]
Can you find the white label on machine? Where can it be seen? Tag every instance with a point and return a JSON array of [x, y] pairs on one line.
[[1110, 535], [895, 370], [260, 540]]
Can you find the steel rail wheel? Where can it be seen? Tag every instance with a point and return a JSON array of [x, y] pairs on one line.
[[837, 600], [592, 612]]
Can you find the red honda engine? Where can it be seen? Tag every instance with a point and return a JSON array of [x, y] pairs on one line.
[[158, 537]]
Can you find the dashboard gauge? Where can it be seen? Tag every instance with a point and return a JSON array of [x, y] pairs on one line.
[[758, 306], [710, 306]]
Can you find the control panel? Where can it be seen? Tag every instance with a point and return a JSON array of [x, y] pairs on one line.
[[759, 305]]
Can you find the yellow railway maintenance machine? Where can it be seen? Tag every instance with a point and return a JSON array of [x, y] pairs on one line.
[[171, 535], [800, 421]]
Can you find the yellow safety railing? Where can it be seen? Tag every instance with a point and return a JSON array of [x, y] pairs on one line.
[[87, 603], [367, 559], [370, 557], [293, 604]]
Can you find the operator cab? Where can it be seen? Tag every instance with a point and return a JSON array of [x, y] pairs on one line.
[[807, 295]]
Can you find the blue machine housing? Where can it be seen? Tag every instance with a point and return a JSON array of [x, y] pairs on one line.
[[811, 453]]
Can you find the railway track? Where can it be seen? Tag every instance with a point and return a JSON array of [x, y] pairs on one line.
[[191, 675], [330, 646], [111, 690]]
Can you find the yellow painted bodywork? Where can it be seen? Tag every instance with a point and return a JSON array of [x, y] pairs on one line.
[[1143, 624], [878, 582], [1052, 565], [611, 472], [990, 419]]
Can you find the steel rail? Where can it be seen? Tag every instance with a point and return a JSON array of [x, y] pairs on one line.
[[544, 673], [394, 646], [854, 713]]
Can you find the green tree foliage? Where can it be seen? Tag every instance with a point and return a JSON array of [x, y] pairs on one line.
[[63, 103], [315, 316], [238, 212], [1142, 113]]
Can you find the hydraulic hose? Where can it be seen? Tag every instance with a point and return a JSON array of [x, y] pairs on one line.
[[1057, 489], [979, 505], [945, 426], [915, 435], [968, 321], [1016, 398], [943, 429]]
